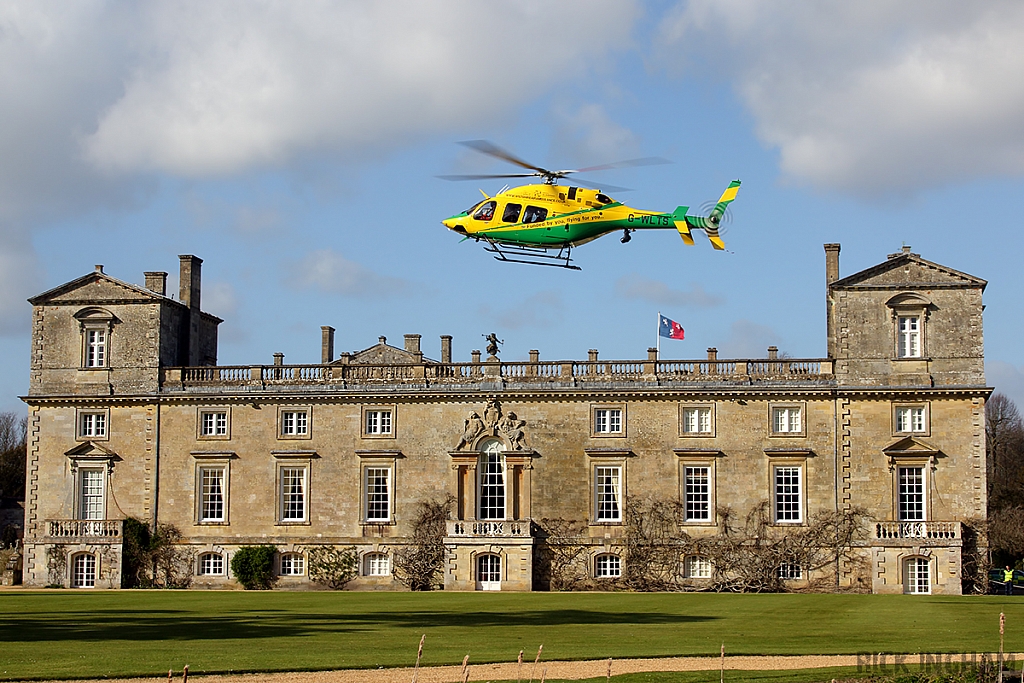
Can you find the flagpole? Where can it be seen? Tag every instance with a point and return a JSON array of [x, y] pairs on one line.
[[659, 335]]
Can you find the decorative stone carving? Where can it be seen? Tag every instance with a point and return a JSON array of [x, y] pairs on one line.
[[474, 428], [512, 428], [492, 413], [494, 423]]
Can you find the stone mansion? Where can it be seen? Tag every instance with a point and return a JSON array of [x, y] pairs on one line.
[[130, 416]]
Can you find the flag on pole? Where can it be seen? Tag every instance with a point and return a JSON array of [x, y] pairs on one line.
[[669, 328]]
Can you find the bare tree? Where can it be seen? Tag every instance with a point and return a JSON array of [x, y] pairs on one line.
[[560, 560], [13, 433], [420, 565], [655, 544], [1004, 431], [758, 557]]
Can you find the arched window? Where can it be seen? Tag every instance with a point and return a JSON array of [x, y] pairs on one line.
[[488, 572], [492, 480], [83, 571], [293, 564], [211, 564], [607, 566], [376, 564], [917, 576]]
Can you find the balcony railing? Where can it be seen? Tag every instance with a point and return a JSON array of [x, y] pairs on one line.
[[519, 528], [99, 529], [529, 372], [939, 531]]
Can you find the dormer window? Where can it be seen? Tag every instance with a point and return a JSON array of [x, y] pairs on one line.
[[96, 325], [909, 315]]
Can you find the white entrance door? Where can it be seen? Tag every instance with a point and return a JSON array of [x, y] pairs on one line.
[[488, 573]]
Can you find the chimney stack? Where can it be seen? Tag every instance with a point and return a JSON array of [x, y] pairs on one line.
[[831, 275], [712, 353], [188, 282], [446, 348], [326, 344], [831, 263], [188, 292], [412, 343], [156, 281], [773, 353]]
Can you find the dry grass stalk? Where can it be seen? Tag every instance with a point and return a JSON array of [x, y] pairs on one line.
[[184, 675], [419, 655], [609, 676], [465, 669], [535, 662], [170, 675], [519, 675], [544, 674]]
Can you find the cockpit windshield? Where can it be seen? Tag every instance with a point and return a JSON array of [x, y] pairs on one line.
[[603, 198]]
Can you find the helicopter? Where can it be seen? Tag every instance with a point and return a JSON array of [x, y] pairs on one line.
[[540, 223]]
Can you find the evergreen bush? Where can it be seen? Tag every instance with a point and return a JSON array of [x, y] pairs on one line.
[[253, 566]]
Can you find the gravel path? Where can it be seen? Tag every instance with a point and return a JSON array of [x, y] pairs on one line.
[[555, 670]]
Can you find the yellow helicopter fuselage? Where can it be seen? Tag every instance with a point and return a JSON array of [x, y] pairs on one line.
[[552, 216]]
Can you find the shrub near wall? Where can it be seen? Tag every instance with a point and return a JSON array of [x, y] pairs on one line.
[[253, 566]]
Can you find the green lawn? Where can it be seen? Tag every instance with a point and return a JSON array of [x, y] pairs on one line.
[[65, 634]]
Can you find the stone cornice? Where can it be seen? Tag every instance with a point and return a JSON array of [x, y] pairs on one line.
[[410, 395]]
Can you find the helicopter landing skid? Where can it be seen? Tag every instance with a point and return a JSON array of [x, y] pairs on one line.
[[534, 256]]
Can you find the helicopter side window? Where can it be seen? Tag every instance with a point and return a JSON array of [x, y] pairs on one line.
[[486, 211], [534, 214], [511, 214], [603, 198]]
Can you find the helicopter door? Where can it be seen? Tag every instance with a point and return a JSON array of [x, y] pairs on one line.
[[511, 213]]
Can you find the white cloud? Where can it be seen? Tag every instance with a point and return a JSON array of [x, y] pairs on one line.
[[219, 87], [329, 271], [748, 339], [97, 97], [1008, 379], [587, 135], [870, 97], [638, 287], [219, 298], [541, 310], [19, 279]]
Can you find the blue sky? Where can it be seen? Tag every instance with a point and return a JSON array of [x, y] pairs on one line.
[[294, 147]]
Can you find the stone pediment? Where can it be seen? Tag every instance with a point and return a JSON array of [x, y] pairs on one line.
[[909, 271], [383, 353], [910, 447], [91, 452], [97, 287]]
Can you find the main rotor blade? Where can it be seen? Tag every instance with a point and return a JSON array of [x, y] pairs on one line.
[[485, 147], [487, 176], [597, 186], [628, 163]]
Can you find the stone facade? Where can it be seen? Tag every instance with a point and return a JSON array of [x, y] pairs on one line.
[[343, 452]]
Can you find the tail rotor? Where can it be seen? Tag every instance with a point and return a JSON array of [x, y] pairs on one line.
[[713, 222]]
